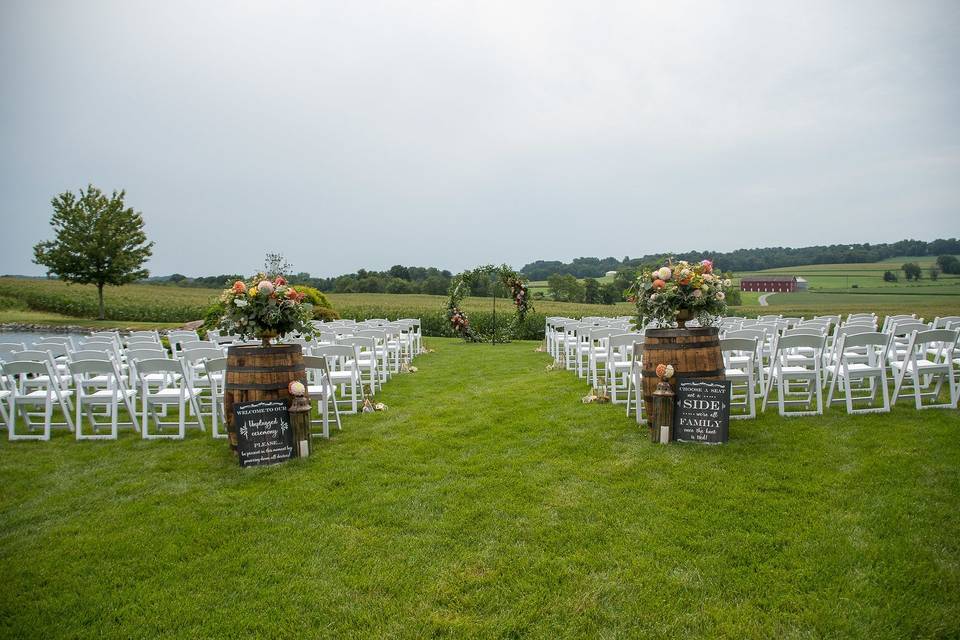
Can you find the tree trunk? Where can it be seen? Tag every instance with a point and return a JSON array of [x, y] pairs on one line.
[[100, 297]]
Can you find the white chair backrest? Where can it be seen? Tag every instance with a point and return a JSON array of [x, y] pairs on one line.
[[100, 355], [194, 356], [198, 344]]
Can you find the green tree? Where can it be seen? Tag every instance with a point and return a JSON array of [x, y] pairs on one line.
[[591, 291], [912, 271], [949, 264], [565, 288], [889, 276], [400, 271], [98, 241], [934, 273]]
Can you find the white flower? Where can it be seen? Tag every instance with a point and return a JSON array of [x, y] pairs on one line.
[[240, 302], [720, 296], [668, 372], [727, 282], [697, 293], [664, 273]]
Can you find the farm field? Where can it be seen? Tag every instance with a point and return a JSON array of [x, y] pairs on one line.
[[868, 275], [492, 503], [139, 305]]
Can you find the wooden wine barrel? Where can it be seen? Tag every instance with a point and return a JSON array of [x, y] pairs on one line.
[[259, 373], [694, 353]]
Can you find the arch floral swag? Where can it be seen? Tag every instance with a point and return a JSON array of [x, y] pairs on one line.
[[460, 288]]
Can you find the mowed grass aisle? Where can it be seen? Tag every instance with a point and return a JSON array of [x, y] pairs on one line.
[[488, 501]]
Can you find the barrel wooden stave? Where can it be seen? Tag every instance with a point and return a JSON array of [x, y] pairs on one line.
[[259, 373], [694, 353]]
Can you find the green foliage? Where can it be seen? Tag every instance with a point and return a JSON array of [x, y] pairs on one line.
[[565, 288], [11, 303], [912, 271], [322, 309], [934, 273], [889, 276], [591, 291], [314, 296], [98, 241], [949, 264]]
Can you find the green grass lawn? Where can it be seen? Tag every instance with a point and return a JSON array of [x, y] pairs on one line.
[[488, 501]]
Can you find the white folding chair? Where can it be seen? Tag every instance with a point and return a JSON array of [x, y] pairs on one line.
[[111, 397], [172, 387], [5, 394], [635, 384], [343, 371], [365, 357], [923, 369], [860, 358], [320, 388], [789, 367], [216, 371], [619, 363], [47, 393], [740, 356], [200, 381]]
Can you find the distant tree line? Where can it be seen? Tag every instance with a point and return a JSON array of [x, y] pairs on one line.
[[745, 260], [397, 279]]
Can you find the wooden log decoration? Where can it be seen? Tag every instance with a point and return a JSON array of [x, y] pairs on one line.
[[694, 353], [259, 373]]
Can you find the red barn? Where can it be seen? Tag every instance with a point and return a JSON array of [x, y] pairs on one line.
[[769, 284]]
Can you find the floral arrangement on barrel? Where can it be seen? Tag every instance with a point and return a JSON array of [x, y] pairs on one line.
[[265, 309], [680, 292]]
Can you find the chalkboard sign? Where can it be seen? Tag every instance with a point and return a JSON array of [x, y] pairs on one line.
[[703, 411], [264, 435]]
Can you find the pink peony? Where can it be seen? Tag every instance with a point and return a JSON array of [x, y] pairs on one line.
[[697, 293], [707, 266], [296, 388], [265, 286]]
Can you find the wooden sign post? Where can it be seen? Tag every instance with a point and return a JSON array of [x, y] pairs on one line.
[[264, 433], [703, 411]]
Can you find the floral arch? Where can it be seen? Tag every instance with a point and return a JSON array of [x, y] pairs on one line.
[[460, 288]]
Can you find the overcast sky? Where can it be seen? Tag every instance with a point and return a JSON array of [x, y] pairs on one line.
[[364, 134]]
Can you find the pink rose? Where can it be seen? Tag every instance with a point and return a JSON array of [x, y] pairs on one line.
[[265, 286]]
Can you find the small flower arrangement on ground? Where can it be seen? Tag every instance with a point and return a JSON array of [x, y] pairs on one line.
[[265, 309], [679, 292]]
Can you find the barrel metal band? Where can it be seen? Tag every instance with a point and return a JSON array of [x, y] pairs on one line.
[[715, 373], [297, 368], [683, 346], [259, 386]]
